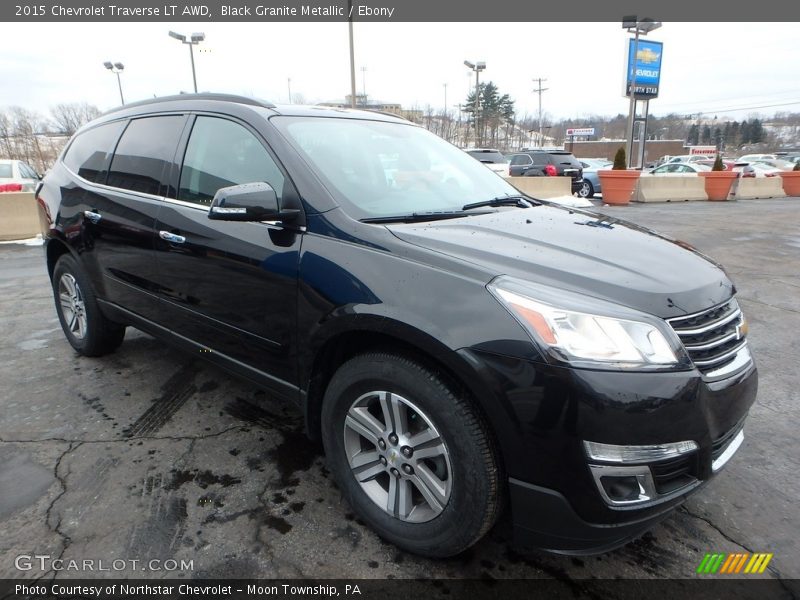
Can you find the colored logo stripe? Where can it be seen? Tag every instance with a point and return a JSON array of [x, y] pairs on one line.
[[738, 562]]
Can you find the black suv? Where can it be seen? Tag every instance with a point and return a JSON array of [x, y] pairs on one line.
[[552, 163], [457, 347]]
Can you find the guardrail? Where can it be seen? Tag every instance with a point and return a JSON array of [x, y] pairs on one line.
[[19, 216], [543, 187], [676, 187], [748, 188]]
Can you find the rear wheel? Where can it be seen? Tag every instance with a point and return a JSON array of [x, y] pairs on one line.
[[586, 190], [85, 327], [414, 459]]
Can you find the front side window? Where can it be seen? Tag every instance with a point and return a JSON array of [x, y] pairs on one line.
[[220, 154], [89, 152], [143, 154], [382, 169]]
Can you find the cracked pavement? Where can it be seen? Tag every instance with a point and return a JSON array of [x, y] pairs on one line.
[[152, 454]]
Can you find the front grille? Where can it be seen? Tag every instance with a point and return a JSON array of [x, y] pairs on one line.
[[675, 473], [712, 337]]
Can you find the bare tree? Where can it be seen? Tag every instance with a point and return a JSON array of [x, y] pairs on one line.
[[69, 117]]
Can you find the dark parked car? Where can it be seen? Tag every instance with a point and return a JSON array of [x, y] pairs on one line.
[[457, 347], [547, 163]]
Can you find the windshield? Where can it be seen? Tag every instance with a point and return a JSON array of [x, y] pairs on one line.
[[382, 169]]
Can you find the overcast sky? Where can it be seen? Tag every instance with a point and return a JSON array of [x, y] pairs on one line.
[[706, 67]]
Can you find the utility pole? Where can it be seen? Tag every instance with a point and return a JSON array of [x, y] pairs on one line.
[[539, 91], [352, 56], [445, 98], [289, 84]]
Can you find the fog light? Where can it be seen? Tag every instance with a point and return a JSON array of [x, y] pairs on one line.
[[637, 454], [623, 487]]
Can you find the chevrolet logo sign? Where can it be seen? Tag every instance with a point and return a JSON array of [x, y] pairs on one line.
[[647, 56]]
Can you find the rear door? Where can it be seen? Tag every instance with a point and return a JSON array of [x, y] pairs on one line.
[[519, 164], [231, 287], [121, 215]]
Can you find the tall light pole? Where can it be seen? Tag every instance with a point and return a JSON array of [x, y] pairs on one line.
[[539, 91], [193, 40], [445, 98], [633, 25], [289, 85], [477, 66], [364, 84], [116, 68]]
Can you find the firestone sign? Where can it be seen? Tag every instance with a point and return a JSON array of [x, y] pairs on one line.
[[647, 66], [576, 131]]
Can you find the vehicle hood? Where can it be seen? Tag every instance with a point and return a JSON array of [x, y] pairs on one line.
[[581, 251]]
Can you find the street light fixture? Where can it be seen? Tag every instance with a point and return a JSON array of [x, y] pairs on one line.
[[116, 68], [632, 24], [477, 66], [193, 40]]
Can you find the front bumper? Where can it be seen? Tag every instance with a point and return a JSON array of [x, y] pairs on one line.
[[545, 520], [555, 498]]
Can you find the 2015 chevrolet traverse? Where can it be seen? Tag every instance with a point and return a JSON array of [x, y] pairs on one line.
[[456, 346]]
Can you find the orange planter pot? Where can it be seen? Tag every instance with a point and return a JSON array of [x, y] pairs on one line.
[[791, 182], [618, 186], [718, 184]]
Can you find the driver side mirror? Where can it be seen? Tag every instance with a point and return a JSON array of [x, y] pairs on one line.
[[249, 202]]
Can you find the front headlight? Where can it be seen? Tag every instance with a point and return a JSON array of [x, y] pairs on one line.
[[602, 339]]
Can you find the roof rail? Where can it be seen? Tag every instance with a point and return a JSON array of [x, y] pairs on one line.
[[202, 96]]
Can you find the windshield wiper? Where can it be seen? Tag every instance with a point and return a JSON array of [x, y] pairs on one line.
[[417, 217], [500, 201]]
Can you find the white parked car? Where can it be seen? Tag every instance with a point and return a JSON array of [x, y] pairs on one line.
[[689, 158], [679, 168], [750, 158], [16, 172]]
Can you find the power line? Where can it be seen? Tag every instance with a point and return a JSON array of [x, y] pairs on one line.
[[706, 112]]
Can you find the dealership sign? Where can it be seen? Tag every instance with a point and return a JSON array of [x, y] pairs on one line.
[[647, 66], [580, 131], [702, 150]]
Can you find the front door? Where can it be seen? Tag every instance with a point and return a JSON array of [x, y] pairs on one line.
[[229, 286]]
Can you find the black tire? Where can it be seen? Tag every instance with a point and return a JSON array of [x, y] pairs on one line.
[[98, 335], [473, 467], [586, 190]]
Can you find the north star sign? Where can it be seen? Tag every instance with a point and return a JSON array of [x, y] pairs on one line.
[[648, 68]]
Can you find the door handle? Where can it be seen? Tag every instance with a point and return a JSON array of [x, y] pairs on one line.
[[94, 217], [172, 238]]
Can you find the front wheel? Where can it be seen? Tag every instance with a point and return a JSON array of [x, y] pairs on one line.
[[85, 327], [413, 457]]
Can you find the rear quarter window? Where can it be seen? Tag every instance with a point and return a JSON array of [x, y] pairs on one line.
[[90, 151], [5, 171]]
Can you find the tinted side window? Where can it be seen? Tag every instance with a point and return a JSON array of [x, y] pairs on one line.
[[145, 150], [222, 153], [541, 159], [90, 151], [520, 159]]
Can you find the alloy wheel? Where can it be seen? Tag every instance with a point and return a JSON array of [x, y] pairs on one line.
[[397, 456]]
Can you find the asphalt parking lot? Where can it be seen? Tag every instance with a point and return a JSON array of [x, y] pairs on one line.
[[152, 454]]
